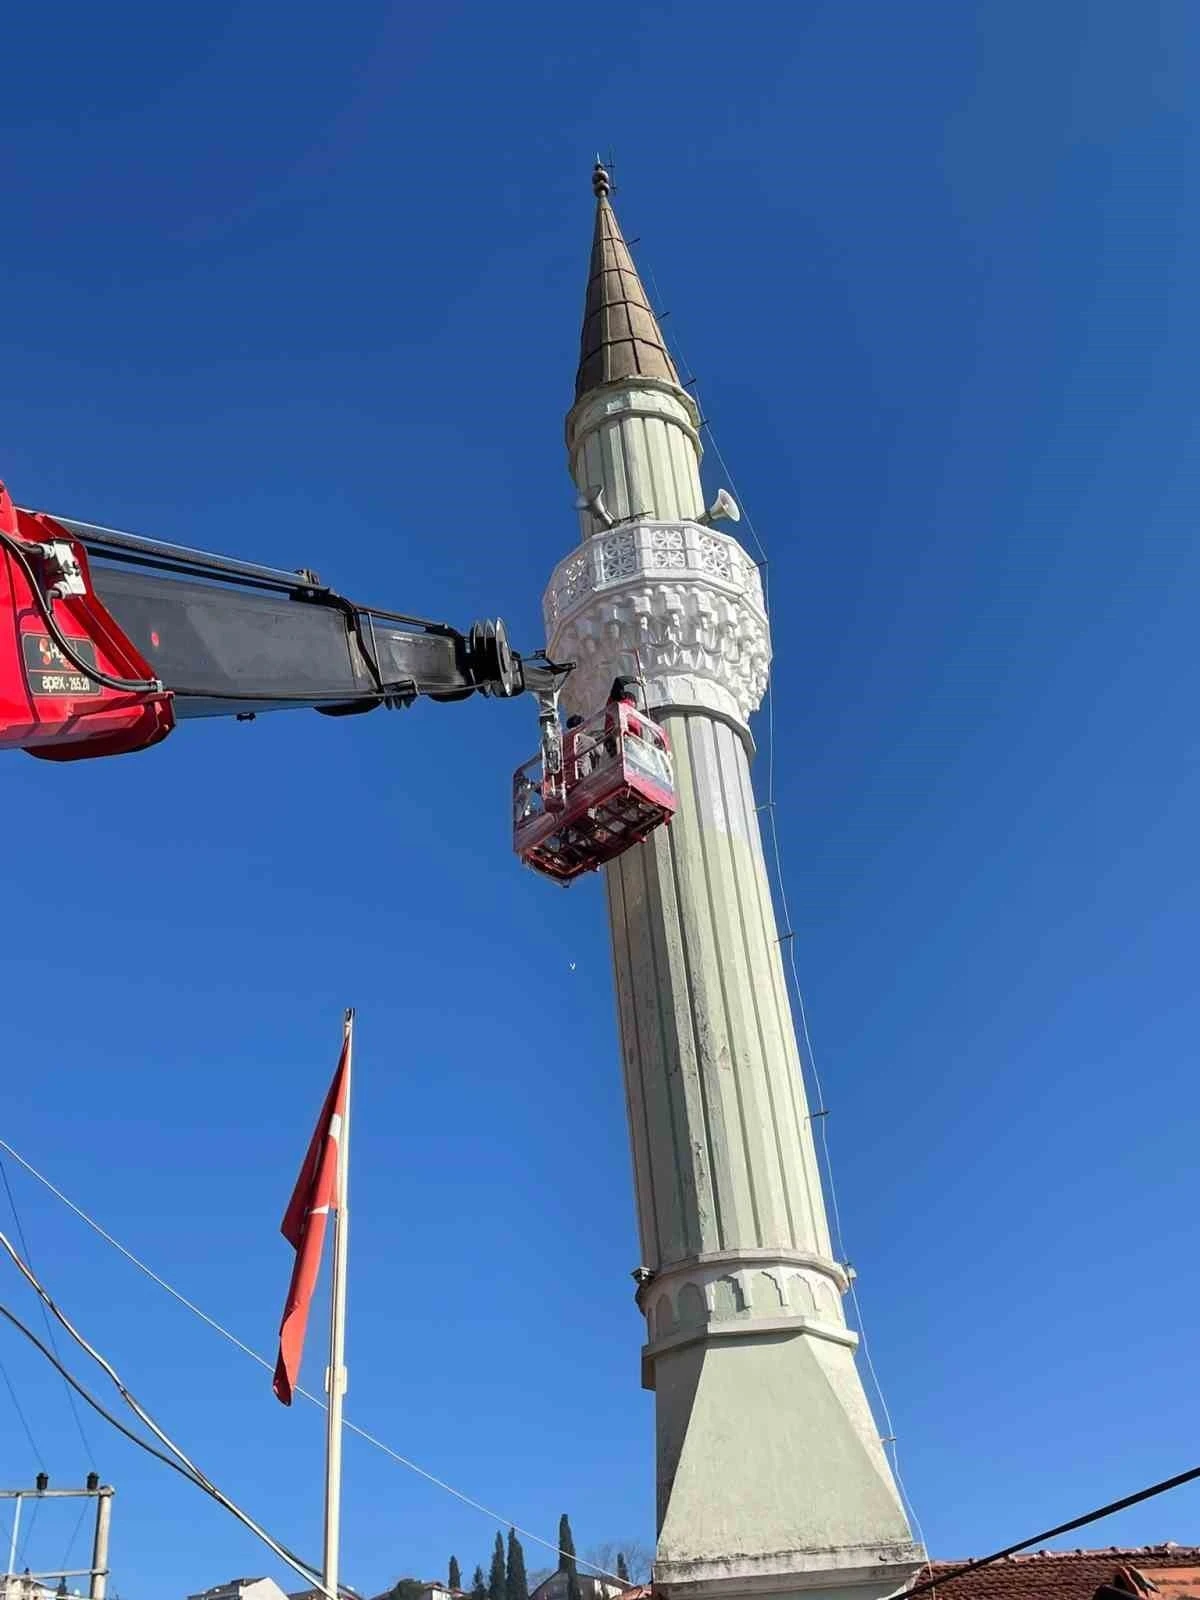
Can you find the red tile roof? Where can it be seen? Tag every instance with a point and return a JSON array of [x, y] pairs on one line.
[[1066, 1574]]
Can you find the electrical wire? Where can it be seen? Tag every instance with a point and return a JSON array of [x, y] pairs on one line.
[[295, 1562], [822, 1121], [177, 1459], [134, 1438], [821, 1115], [28, 1534], [269, 1366], [928, 1584], [28, 1431], [89, 1453], [73, 1540], [22, 1418]]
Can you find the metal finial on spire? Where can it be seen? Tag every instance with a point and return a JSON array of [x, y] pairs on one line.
[[621, 338]]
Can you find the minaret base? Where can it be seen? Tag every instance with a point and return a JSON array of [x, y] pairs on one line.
[[772, 1480]]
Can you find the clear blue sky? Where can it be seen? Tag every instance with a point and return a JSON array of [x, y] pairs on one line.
[[309, 291]]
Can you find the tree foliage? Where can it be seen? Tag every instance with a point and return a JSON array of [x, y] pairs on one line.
[[454, 1576], [478, 1585], [516, 1584], [566, 1558], [498, 1576], [406, 1589], [628, 1559]]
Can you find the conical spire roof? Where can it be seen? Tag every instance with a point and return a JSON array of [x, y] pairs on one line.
[[621, 338]]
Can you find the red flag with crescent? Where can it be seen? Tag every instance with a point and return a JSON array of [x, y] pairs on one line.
[[304, 1224]]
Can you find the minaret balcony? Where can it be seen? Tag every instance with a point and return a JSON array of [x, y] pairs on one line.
[[679, 604]]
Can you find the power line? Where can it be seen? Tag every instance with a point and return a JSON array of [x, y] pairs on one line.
[[248, 1350], [1050, 1533], [295, 1562], [71, 1542], [28, 1534], [8, 1383], [24, 1420], [176, 1460], [89, 1453]]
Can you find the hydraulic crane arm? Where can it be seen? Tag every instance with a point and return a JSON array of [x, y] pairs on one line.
[[106, 639]]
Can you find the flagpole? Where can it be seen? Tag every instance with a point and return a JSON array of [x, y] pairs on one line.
[[335, 1381]]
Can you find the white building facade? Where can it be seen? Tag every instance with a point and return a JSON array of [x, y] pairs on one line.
[[243, 1589]]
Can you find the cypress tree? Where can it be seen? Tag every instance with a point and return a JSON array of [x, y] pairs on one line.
[[622, 1569], [478, 1586], [497, 1576], [454, 1576], [566, 1559], [516, 1584]]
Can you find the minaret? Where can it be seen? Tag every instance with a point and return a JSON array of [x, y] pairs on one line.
[[771, 1475]]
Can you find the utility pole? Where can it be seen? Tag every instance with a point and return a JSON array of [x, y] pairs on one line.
[[97, 1573], [98, 1587]]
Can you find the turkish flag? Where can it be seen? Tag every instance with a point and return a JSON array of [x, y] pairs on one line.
[[314, 1197]]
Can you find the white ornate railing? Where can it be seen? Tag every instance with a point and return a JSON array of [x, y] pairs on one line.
[[682, 601]]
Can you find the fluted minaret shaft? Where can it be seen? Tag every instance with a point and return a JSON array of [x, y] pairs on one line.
[[771, 1475]]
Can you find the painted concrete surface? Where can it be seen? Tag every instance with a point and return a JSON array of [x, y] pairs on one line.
[[769, 1464]]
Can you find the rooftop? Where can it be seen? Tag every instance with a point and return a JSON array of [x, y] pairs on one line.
[[1073, 1574], [1172, 1569]]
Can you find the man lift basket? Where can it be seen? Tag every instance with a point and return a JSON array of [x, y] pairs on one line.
[[595, 791]]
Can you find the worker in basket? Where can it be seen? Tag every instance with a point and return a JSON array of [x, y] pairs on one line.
[[527, 798], [587, 748], [642, 746], [622, 693], [601, 753]]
